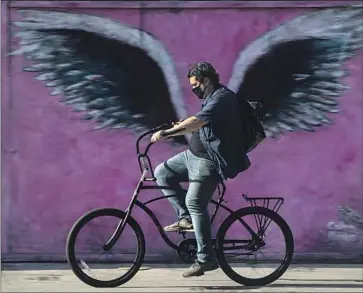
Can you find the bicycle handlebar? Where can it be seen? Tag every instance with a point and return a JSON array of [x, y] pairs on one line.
[[153, 130], [141, 156]]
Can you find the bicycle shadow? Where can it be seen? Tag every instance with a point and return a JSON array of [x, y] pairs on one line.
[[303, 283]]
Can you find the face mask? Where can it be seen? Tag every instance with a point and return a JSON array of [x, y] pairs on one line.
[[198, 92]]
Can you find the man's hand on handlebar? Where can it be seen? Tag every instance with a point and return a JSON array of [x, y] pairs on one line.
[[157, 136], [178, 122]]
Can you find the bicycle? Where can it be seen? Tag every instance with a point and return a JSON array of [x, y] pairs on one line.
[[263, 216]]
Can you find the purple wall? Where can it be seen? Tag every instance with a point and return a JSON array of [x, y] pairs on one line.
[[56, 167]]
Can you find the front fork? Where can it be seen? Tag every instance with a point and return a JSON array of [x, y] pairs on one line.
[[121, 226]]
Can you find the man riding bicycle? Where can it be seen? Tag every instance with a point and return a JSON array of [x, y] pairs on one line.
[[215, 153]]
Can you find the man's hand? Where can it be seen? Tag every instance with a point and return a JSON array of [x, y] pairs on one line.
[[178, 122], [180, 128], [157, 136]]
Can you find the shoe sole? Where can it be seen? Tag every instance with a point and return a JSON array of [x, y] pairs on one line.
[[201, 274], [178, 230], [191, 276]]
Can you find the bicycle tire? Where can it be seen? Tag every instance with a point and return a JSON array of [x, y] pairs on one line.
[[223, 263], [71, 240]]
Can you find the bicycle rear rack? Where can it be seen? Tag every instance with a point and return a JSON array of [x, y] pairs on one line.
[[267, 202]]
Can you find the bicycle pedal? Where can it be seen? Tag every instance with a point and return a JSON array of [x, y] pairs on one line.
[[183, 231], [188, 230]]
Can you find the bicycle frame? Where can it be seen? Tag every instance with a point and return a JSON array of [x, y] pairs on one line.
[[146, 167]]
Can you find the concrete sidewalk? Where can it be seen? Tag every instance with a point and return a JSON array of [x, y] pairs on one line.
[[167, 278]]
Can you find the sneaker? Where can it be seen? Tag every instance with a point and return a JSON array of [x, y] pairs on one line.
[[198, 268], [182, 225]]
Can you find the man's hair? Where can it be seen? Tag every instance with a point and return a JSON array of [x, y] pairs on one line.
[[204, 69]]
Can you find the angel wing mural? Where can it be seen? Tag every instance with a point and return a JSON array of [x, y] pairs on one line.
[[103, 68], [99, 66], [295, 70]]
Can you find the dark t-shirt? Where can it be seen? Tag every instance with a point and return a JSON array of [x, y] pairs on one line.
[[196, 146]]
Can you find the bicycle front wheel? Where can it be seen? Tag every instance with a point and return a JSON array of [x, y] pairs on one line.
[[85, 248], [242, 237]]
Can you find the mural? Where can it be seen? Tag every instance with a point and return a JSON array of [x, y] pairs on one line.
[[346, 234], [298, 70], [126, 78]]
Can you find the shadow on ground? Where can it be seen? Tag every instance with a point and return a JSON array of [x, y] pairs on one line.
[[300, 284]]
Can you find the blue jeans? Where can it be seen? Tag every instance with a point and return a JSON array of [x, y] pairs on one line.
[[192, 204]]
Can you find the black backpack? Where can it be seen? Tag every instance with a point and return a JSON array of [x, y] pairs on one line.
[[252, 114]]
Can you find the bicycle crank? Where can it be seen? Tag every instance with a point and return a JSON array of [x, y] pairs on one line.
[[187, 250]]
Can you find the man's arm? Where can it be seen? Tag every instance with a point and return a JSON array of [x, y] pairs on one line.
[[208, 114], [186, 126]]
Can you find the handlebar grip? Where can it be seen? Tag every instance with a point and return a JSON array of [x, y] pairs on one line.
[[161, 126], [155, 129]]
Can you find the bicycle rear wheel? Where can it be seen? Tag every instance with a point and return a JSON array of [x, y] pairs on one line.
[[259, 219], [91, 248]]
